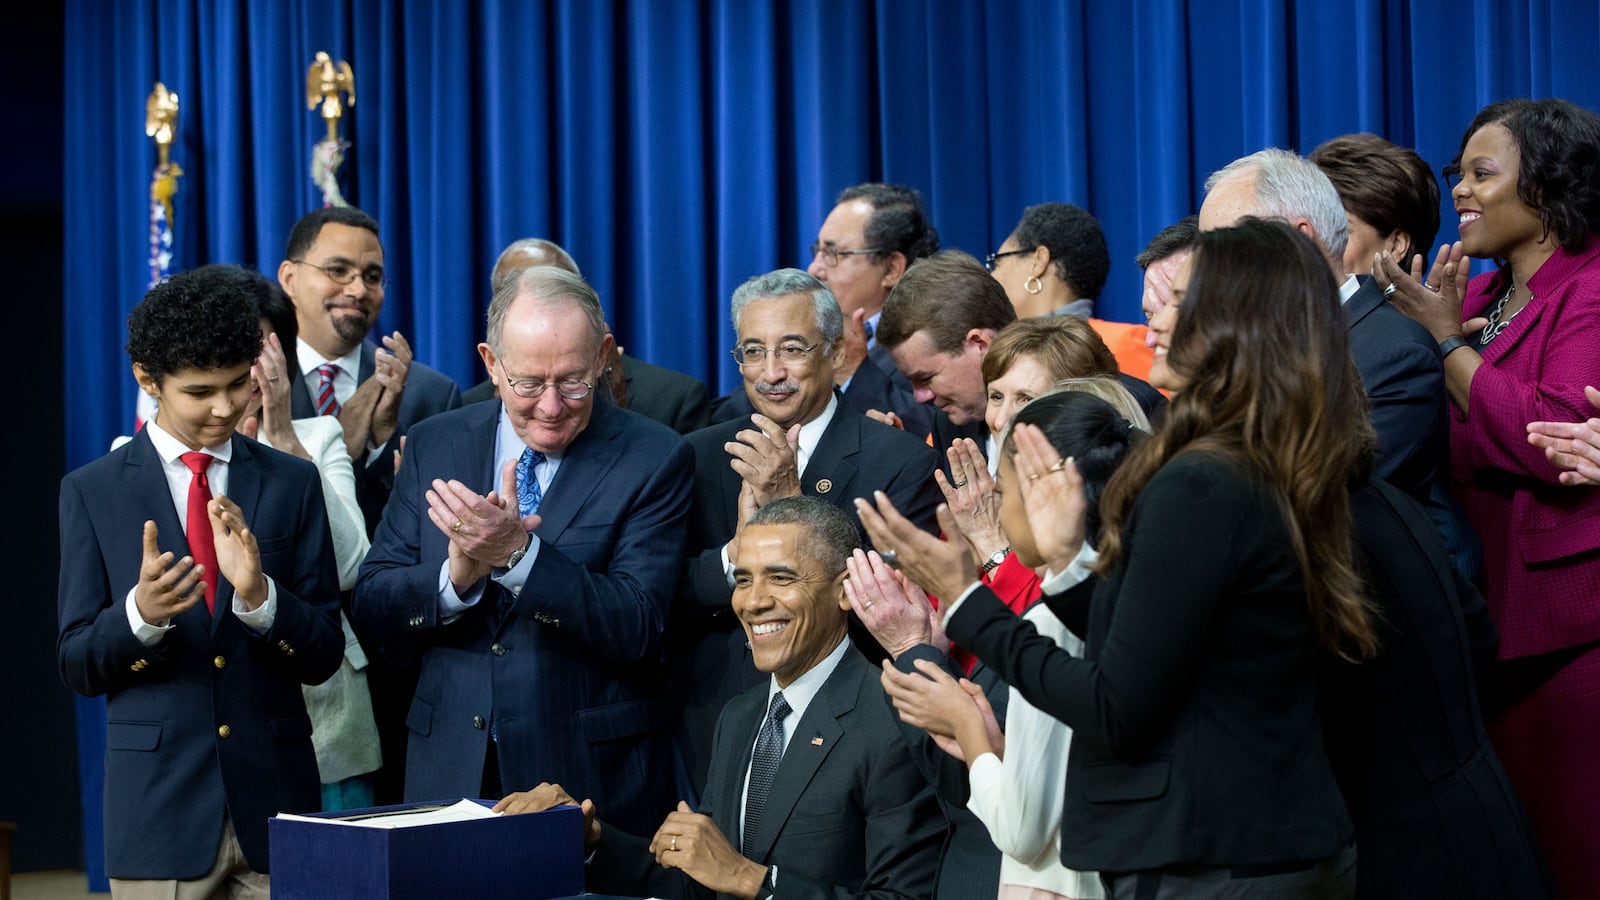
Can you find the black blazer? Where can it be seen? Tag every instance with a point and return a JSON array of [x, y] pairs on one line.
[[848, 815], [705, 642], [1435, 815], [969, 862], [1194, 712], [1400, 367]]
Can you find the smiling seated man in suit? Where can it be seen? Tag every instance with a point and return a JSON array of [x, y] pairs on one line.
[[529, 551], [197, 594], [802, 439], [812, 792]]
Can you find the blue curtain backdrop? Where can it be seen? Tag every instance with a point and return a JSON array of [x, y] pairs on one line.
[[676, 148]]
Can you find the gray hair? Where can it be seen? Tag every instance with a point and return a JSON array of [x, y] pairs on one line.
[[830, 535], [551, 287], [1289, 186], [787, 282]]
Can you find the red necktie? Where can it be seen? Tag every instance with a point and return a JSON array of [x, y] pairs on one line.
[[201, 546], [327, 403]]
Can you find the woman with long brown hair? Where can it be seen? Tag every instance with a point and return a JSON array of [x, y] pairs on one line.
[[1225, 576]]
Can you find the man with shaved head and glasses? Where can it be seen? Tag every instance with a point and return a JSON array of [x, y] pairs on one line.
[[529, 552], [333, 271]]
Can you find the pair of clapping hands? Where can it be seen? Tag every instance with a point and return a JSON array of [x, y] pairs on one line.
[[895, 608], [1435, 302]]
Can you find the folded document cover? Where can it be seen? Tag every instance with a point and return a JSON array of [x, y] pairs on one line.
[[427, 850]]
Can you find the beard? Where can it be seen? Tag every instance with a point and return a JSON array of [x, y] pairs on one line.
[[351, 328]]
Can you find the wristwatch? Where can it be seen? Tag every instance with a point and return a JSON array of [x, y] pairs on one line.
[[995, 559], [517, 554]]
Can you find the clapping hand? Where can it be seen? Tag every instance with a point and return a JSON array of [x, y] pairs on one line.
[[896, 611]]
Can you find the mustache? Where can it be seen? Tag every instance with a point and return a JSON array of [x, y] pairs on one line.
[[781, 387]]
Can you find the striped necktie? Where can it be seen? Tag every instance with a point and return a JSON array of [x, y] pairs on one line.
[[327, 403]]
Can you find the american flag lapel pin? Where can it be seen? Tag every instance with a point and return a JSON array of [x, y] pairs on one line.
[[816, 741]]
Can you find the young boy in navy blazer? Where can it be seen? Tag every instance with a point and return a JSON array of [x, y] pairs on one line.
[[197, 593]]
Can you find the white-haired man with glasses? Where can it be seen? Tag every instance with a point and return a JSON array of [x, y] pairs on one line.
[[530, 551], [801, 439]]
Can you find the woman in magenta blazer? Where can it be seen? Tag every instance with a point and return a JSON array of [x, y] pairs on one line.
[[1526, 185]]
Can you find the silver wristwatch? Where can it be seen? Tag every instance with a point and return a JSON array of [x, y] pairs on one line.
[[517, 554], [995, 559]]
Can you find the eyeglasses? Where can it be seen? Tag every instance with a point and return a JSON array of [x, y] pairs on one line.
[[830, 254], [342, 273], [991, 259], [530, 388], [789, 354]]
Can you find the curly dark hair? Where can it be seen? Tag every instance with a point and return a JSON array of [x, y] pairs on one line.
[[898, 222], [1560, 171], [304, 233], [205, 318], [1077, 245]]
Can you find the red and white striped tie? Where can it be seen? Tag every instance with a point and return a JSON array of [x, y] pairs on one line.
[[327, 403]]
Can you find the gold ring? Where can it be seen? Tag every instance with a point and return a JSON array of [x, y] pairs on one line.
[[674, 846], [959, 483], [1060, 464], [456, 527], [272, 378], [1035, 476], [866, 604]]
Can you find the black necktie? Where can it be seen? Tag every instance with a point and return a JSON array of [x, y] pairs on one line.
[[763, 765]]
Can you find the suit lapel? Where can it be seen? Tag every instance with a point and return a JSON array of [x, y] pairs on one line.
[[583, 466], [244, 488], [814, 738], [300, 405], [368, 362], [831, 470], [1362, 303], [744, 718], [147, 490]]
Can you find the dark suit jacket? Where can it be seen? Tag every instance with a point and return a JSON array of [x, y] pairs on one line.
[[711, 662], [848, 814], [1434, 813], [1404, 377], [427, 393], [969, 862], [171, 774], [1195, 735], [569, 677], [674, 399]]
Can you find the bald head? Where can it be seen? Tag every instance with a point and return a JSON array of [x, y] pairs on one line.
[[530, 253]]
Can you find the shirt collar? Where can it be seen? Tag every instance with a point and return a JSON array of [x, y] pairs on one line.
[[310, 359], [170, 448], [803, 690], [509, 444], [1348, 288]]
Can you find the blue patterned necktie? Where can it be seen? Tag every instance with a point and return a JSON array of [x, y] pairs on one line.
[[528, 494], [763, 765]]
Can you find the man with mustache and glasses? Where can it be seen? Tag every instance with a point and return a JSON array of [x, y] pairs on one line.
[[800, 440]]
